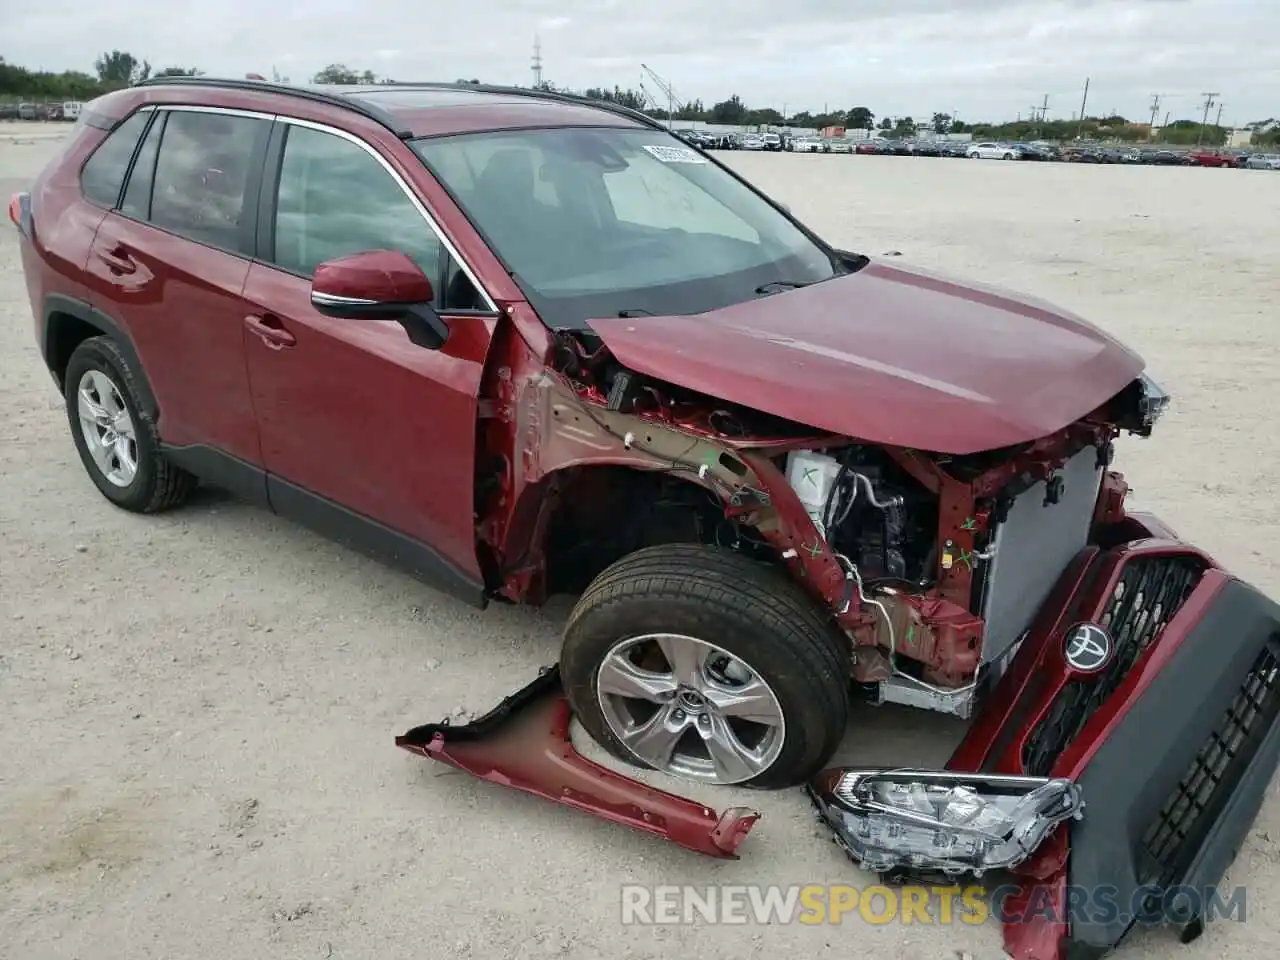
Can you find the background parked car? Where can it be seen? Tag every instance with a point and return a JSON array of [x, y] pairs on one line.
[[772, 141], [1263, 161], [1211, 158], [992, 151], [1169, 158], [840, 145]]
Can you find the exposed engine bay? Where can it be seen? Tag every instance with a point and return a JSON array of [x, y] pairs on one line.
[[941, 562]]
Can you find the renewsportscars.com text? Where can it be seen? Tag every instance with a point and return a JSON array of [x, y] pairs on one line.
[[933, 905]]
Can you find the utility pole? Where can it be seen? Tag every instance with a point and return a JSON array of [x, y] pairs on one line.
[[1155, 112], [536, 63], [1209, 99], [1083, 101]]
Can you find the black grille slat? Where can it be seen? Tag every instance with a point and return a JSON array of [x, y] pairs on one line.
[[1150, 591], [1179, 830]]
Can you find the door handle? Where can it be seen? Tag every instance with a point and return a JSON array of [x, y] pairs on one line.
[[118, 260], [269, 330]]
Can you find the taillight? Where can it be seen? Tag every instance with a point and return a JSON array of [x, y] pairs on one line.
[[20, 212]]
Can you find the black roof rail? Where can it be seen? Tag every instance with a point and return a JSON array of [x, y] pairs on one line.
[[362, 107], [554, 96]]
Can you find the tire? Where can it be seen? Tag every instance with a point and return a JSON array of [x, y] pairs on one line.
[[154, 484], [1008, 156], [742, 609]]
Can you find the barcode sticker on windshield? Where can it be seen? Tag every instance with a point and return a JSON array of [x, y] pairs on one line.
[[676, 155]]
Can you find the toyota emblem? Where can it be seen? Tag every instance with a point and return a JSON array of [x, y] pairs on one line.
[[1088, 648]]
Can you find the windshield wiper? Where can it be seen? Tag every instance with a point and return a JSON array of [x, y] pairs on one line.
[[774, 285], [637, 312]]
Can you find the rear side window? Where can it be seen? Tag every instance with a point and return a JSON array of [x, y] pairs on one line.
[[205, 165], [103, 174], [137, 195]]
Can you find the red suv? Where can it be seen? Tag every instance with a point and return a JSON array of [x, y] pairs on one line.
[[520, 343]]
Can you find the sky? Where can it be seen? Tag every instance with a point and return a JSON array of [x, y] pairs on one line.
[[975, 59]]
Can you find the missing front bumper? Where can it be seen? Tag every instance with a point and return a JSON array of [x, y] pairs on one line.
[[524, 743]]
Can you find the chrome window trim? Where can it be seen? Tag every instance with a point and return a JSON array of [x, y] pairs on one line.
[[408, 192], [226, 111]]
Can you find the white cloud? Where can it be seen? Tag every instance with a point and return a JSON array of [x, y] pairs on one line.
[[984, 58]]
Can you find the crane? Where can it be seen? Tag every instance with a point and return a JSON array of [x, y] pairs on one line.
[[666, 89]]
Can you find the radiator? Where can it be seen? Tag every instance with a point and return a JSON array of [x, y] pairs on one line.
[[1032, 547]]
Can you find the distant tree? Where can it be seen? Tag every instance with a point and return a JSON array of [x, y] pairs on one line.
[[942, 123], [904, 127], [118, 69], [731, 111], [859, 118], [179, 72], [886, 123], [626, 98], [337, 73]]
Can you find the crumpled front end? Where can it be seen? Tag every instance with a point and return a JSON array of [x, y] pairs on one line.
[[1171, 731]]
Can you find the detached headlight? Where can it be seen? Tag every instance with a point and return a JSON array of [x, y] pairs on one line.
[[949, 823], [1153, 402]]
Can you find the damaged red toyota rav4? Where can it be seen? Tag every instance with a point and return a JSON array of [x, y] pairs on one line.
[[523, 344]]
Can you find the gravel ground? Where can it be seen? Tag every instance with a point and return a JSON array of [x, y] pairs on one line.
[[198, 708]]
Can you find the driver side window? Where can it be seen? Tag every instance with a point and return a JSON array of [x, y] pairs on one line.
[[335, 199]]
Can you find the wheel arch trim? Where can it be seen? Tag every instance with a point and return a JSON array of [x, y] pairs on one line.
[[57, 306]]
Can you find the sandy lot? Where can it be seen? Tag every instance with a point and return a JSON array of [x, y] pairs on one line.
[[198, 709]]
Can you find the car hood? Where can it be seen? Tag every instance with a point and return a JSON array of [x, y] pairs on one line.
[[888, 355]]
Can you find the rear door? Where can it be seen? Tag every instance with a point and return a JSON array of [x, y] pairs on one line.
[[366, 436], [171, 259]]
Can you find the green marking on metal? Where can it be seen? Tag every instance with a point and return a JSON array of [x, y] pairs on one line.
[[810, 473], [966, 557], [814, 550], [911, 633], [970, 524]]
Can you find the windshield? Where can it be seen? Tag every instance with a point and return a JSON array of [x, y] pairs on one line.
[[596, 222]]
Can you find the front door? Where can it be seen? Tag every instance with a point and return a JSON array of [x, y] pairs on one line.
[[365, 436]]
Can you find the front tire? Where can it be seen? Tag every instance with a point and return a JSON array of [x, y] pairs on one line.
[[708, 666], [116, 439]]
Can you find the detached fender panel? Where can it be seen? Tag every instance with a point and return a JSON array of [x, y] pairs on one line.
[[524, 743]]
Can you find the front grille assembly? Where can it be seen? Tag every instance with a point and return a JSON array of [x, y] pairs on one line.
[[1178, 832], [1150, 591]]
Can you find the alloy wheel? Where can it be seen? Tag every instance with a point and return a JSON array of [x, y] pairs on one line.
[[689, 708], [107, 427]]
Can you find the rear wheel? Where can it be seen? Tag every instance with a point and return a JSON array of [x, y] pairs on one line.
[[116, 439], [708, 666]]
